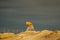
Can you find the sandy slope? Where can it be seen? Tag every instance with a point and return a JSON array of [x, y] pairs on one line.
[[32, 35]]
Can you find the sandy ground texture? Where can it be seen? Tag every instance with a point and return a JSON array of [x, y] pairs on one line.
[[32, 35]]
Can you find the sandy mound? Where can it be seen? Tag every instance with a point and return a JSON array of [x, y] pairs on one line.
[[32, 35]]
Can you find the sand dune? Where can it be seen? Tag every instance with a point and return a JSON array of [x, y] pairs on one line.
[[32, 35]]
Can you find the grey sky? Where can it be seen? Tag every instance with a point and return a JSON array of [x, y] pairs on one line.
[[40, 12], [31, 7]]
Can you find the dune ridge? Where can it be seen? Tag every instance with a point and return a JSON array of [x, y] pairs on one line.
[[32, 35]]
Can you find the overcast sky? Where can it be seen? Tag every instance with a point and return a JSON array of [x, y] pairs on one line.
[[31, 7], [37, 11]]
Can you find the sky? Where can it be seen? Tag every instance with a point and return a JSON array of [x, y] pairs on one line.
[[44, 14]]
